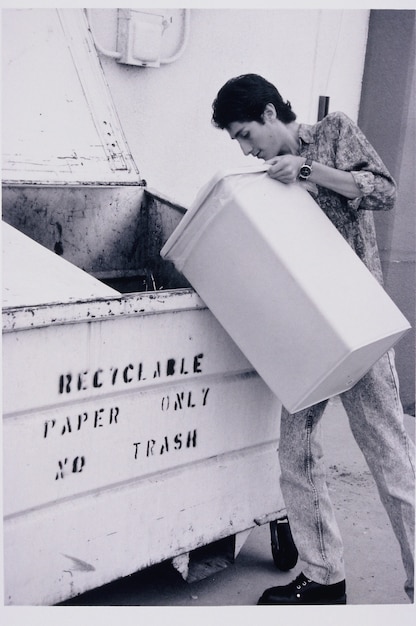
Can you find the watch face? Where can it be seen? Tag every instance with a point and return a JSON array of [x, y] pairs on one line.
[[305, 171]]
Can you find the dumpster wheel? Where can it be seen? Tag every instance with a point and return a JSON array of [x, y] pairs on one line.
[[284, 551]]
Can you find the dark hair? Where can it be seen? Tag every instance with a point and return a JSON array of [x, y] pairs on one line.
[[244, 98]]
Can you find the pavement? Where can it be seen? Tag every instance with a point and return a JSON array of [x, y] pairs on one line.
[[375, 575]]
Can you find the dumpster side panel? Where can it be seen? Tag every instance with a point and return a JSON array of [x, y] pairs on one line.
[[88, 542], [133, 438], [88, 446]]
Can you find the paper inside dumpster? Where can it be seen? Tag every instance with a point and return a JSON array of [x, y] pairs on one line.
[[32, 274]]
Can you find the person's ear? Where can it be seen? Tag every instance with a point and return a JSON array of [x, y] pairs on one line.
[[269, 113]]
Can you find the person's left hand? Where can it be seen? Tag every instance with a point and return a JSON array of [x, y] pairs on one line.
[[285, 168]]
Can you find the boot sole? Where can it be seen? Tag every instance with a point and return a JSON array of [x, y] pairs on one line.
[[340, 600]]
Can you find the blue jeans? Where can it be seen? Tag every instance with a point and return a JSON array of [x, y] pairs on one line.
[[376, 419]]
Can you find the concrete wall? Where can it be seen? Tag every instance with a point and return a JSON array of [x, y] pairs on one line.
[[388, 117], [166, 112]]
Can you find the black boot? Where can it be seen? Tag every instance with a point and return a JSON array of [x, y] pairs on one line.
[[305, 591]]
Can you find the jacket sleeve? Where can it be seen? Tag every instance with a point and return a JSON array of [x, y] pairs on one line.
[[354, 153]]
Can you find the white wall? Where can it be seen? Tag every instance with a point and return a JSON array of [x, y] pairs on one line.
[[166, 112]]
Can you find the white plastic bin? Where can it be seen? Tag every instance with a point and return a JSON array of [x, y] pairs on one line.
[[285, 284]]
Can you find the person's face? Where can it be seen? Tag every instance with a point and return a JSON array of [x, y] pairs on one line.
[[263, 141]]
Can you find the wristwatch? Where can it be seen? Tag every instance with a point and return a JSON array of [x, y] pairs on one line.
[[305, 170]]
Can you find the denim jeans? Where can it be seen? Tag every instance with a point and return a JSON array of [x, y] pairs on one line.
[[376, 419]]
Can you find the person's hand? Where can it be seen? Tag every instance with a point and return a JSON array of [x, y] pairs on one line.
[[285, 168]]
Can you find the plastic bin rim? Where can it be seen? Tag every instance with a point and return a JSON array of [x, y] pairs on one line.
[[202, 196]]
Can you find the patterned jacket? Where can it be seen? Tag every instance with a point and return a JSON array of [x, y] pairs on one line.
[[338, 142]]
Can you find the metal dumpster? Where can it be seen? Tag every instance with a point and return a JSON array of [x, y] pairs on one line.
[[134, 429]]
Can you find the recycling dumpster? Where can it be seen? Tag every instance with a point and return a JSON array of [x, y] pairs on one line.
[[294, 296], [134, 429]]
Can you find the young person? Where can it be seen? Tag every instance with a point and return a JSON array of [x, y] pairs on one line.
[[339, 167]]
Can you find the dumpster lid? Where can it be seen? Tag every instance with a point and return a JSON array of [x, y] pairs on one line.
[[59, 122]]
